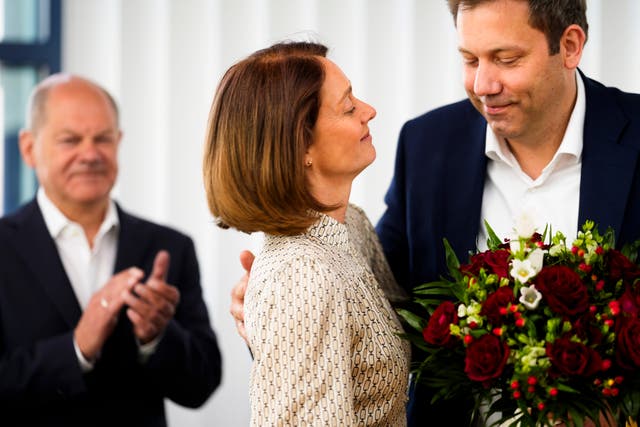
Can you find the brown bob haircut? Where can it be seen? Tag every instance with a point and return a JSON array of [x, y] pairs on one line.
[[260, 126], [551, 17]]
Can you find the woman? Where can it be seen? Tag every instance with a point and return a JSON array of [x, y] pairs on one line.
[[286, 137]]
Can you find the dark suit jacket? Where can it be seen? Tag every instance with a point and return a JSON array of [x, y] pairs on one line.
[[40, 380], [437, 188]]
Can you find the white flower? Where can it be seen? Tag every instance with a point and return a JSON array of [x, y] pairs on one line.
[[522, 271], [536, 257], [525, 224], [472, 309], [556, 250], [462, 310], [530, 297]]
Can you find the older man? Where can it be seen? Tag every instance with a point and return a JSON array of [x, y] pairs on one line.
[[101, 313]]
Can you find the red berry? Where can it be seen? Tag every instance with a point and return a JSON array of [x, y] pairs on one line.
[[532, 380], [614, 306], [553, 391], [584, 267]]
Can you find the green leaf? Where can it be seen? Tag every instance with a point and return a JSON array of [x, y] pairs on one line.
[[418, 341], [630, 250], [453, 264], [416, 322], [493, 241], [609, 238]]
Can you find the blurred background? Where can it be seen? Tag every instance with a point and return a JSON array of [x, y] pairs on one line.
[[162, 59]]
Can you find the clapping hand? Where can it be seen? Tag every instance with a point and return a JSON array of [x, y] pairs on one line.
[[101, 314], [152, 305]]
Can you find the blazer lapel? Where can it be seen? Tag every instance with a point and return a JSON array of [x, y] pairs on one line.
[[607, 165], [37, 248], [465, 187], [132, 243]]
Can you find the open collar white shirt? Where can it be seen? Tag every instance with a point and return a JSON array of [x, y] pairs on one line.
[[87, 268], [551, 199]]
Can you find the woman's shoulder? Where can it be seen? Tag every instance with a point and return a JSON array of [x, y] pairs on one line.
[[282, 254], [355, 211], [356, 217]]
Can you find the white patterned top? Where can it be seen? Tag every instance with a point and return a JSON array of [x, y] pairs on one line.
[[322, 332]]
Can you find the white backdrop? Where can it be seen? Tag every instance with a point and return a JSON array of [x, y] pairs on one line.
[[163, 58]]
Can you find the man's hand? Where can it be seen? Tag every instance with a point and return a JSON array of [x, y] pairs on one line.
[[101, 314], [238, 291], [153, 304]]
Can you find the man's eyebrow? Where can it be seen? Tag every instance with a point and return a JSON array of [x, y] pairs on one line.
[[493, 51]]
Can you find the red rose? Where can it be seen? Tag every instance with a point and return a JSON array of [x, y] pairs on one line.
[[563, 290], [495, 301], [629, 303], [573, 358], [485, 359], [437, 331], [476, 262], [620, 267], [496, 262], [628, 343]]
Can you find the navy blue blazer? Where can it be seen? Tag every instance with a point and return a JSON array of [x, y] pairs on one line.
[[438, 182], [40, 380]]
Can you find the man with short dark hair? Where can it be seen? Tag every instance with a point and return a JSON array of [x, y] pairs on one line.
[[559, 147]]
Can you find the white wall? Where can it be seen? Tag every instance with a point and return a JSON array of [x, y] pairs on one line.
[[162, 60]]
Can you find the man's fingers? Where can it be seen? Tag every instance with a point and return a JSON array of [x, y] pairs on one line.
[[160, 266], [241, 330], [246, 260], [165, 303], [164, 290]]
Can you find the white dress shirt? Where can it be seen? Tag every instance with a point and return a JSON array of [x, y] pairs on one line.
[[87, 268], [551, 199]]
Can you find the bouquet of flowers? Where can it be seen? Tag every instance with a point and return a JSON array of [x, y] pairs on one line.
[[537, 330]]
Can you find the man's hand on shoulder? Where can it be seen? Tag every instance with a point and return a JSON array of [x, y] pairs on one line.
[[238, 291]]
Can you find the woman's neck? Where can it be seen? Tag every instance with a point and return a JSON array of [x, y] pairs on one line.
[[333, 195]]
